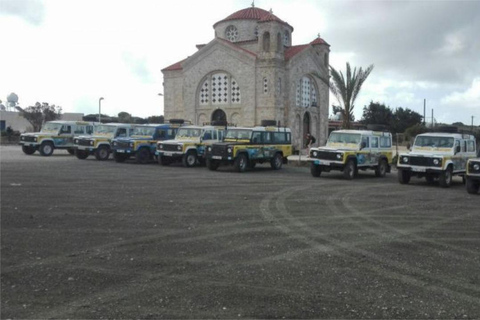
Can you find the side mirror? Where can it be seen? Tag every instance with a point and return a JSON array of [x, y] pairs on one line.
[[457, 149], [408, 146], [363, 145]]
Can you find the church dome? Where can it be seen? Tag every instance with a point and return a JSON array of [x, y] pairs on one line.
[[252, 13]]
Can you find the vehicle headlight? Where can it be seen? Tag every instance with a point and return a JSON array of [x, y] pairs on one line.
[[22, 138], [315, 154], [437, 162], [476, 167], [160, 146], [114, 143], [179, 148], [339, 156], [405, 159], [131, 144], [92, 142], [229, 149], [75, 141], [209, 149]]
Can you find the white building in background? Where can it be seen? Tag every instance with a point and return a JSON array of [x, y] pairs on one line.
[[17, 122], [251, 71]]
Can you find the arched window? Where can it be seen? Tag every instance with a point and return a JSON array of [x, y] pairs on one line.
[[219, 88], [266, 42], [306, 92], [219, 115]]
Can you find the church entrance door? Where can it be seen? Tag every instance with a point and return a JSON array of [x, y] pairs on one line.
[[219, 115], [306, 127]]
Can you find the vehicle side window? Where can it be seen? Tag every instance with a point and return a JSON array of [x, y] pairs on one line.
[[374, 142], [464, 146], [457, 144], [365, 139], [66, 129], [162, 134], [130, 131], [89, 129], [471, 146], [220, 135], [79, 130], [207, 135], [385, 142], [257, 137], [172, 133], [214, 136], [122, 132]]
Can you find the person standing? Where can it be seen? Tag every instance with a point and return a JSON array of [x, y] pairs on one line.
[[310, 140]]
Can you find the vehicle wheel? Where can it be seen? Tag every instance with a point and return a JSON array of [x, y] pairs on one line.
[[102, 153], [164, 161], [277, 161], [46, 149], [142, 156], [381, 169], [241, 163], [81, 154], [28, 150], [403, 176], [430, 178], [315, 170], [71, 151], [212, 164], [445, 178], [349, 170], [472, 186], [120, 157], [190, 159]]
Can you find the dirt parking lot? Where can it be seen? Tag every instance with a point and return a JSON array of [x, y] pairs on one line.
[[84, 239]]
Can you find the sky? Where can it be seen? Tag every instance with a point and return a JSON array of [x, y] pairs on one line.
[[72, 52]]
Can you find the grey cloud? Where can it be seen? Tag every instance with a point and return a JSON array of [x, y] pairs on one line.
[[138, 67], [425, 41], [32, 11]]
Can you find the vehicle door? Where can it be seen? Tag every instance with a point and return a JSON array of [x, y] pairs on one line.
[[374, 154], [268, 148], [65, 136], [255, 150]]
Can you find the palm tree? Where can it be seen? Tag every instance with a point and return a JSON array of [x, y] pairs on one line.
[[346, 90]]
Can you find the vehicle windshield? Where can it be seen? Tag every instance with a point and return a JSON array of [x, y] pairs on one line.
[[103, 129], [51, 127], [434, 142], [238, 134], [189, 133], [350, 138], [143, 131]]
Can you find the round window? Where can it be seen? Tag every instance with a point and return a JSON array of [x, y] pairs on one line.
[[231, 33]]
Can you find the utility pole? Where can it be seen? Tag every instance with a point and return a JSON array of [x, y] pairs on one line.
[[472, 123], [424, 110], [432, 118]]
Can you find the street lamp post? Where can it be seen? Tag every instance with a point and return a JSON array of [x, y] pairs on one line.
[[100, 109]]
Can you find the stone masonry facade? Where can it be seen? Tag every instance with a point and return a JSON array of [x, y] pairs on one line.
[[251, 72]]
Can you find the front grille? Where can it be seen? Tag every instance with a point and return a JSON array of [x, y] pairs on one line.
[[219, 150], [325, 155], [122, 145], [421, 161], [170, 147], [83, 142], [29, 139]]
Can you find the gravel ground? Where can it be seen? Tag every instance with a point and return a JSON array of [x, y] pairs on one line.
[[84, 239]]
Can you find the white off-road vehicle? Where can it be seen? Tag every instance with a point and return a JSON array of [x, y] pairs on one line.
[[99, 143], [189, 145], [473, 175], [55, 135], [352, 150], [437, 156]]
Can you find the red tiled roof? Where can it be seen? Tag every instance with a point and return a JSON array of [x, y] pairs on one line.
[[319, 40], [175, 66], [252, 13], [294, 50]]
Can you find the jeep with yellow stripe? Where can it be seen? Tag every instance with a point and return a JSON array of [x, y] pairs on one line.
[[54, 135], [142, 143], [352, 150], [245, 147], [189, 145], [473, 176], [437, 156], [99, 143]]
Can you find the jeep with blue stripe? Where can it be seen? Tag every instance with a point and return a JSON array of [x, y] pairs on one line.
[[142, 143], [245, 147], [352, 150]]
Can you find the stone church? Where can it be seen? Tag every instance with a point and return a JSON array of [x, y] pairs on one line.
[[249, 72]]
